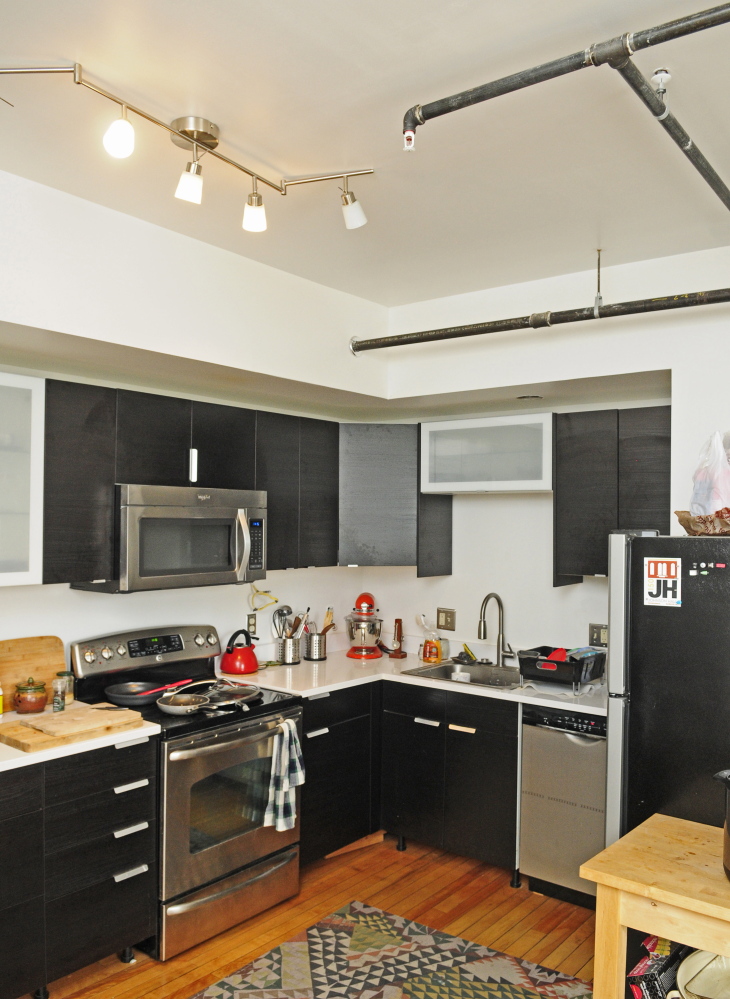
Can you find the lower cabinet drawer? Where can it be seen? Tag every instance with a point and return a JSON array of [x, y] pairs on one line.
[[83, 820], [87, 773], [102, 919], [21, 850], [72, 869], [23, 964]]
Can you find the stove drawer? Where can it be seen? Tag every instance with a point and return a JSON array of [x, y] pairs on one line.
[[109, 857], [335, 706], [208, 911], [100, 769], [83, 820]]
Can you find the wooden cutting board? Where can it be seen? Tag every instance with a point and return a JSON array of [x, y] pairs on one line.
[[77, 723], [40, 657]]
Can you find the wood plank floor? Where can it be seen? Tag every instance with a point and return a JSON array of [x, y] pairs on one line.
[[449, 893]]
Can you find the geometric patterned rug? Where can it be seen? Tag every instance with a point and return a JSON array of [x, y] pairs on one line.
[[361, 952]]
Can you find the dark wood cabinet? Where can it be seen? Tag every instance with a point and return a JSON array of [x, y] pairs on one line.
[[611, 471], [225, 439], [319, 458], [277, 472], [153, 439], [337, 796], [80, 455]]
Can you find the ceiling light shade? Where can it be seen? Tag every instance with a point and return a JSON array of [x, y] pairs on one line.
[[254, 214], [190, 185], [352, 210], [119, 137]]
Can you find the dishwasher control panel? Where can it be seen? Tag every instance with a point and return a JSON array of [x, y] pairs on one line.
[[564, 721]]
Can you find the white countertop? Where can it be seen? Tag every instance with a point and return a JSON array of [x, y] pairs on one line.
[[11, 758], [337, 672]]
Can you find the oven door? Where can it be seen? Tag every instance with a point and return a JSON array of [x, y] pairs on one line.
[[161, 547], [215, 787]]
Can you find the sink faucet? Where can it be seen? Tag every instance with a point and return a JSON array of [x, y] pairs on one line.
[[502, 652]]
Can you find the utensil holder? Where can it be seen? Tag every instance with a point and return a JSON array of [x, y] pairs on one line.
[[316, 647], [287, 651]]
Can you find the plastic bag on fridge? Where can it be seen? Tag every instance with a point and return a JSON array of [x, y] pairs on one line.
[[712, 479]]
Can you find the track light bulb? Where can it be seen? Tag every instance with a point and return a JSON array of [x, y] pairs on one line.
[[190, 185], [119, 137], [352, 210], [254, 214]]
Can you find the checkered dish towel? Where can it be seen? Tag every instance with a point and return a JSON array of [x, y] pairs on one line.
[[287, 773]]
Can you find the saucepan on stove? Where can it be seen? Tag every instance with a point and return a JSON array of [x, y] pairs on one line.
[[221, 696]]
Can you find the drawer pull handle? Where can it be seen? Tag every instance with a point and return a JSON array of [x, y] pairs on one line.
[[132, 873], [317, 731], [427, 721], [177, 910], [132, 742], [193, 465], [123, 788], [317, 697], [462, 728], [119, 833]]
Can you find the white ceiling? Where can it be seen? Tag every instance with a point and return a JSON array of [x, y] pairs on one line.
[[522, 187]]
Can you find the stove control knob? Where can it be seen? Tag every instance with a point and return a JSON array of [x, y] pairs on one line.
[[89, 655], [121, 650], [107, 652], [211, 639], [199, 640]]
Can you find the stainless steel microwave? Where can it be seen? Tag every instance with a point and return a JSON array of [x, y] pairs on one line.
[[174, 536]]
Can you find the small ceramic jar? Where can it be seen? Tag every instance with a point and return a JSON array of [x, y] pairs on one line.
[[30, 697]]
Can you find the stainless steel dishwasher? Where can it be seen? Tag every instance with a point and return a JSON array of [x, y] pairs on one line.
[[563, 797]]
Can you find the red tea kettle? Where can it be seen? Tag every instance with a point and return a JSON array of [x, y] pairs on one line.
[[239, 658]]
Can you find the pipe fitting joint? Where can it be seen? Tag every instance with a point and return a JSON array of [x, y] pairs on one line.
[[413, 118], [617, 51], [538, 319]]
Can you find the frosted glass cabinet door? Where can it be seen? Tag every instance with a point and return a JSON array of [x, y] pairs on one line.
[[22, 405], [489, 454]]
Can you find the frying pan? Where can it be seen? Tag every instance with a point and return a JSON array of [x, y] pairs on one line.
[[182, 704], [221, 695], [132, 695]]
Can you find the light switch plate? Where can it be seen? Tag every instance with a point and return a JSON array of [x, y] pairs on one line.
[[251, 624], [445, 619], [598, 635]]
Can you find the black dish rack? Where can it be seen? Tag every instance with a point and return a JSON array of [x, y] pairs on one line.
[[535, 665]]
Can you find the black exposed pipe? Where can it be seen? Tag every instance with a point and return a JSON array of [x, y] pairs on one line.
[[541, 319], [641, 86], [595, 55]]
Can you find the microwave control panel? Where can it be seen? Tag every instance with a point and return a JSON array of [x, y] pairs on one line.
[[256, 530], [151, 647]]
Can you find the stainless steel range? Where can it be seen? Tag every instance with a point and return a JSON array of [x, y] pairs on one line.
[[219, 864]]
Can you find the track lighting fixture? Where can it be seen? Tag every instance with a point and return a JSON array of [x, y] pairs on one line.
[[254, 214], [352, 209], [190, 185], [119, 137], [202, 135]]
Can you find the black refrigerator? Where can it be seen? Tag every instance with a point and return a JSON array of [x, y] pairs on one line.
[[668, 678]]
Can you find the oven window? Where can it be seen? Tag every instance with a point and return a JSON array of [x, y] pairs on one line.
[[229, 803], [176, 546]]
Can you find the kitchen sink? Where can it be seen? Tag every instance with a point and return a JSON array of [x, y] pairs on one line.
[[480, 673]]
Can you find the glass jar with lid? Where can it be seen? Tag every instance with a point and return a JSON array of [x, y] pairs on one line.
[[30, 696], [70, 680]]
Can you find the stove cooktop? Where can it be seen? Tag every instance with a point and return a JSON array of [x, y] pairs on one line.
[[91, 689]]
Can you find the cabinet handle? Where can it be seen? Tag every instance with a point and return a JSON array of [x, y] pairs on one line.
[[426, 721], [462, 728], [123, 788], [317, 731], [193, 464], [132, 873], [176, 910], [119, 833], [317, 697], [132, 742]]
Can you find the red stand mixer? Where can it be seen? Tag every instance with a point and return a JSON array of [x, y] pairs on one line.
[[363, 628]]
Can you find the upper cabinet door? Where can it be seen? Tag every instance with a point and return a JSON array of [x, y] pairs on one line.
[[225, 439], [644, 457], [378, 493], [277, 471], [21, 479], [319, 456], [153, 439]]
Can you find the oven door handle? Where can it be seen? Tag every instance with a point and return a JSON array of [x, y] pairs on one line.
[[177, 910], [243, 544], [189, 754]]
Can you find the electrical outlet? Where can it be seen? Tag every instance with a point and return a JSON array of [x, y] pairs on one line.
[[445, 619], [251, 624], [598, 634]]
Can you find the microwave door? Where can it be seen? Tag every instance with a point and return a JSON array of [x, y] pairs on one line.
[[167, 547]]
